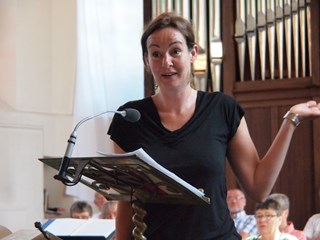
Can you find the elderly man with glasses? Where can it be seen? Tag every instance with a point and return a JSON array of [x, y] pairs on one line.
[[244, 223]]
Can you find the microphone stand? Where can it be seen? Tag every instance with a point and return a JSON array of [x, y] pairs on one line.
[[62, 175], [129, 114]]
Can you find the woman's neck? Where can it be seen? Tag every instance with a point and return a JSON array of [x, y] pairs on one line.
[[175, 111], [175, 101]]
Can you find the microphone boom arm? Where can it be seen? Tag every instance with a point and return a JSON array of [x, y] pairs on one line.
[[122, 113], [130, 114]]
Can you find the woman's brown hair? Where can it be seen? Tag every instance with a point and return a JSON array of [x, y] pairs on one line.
[[164, 20]]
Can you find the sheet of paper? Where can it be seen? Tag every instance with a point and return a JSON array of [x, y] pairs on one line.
[[80, 227], [150, 161]]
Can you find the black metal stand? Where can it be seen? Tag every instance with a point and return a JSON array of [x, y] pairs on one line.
[[133, 177]]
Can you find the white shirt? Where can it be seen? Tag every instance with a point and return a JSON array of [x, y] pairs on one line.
[[279, 235], [312, 227]]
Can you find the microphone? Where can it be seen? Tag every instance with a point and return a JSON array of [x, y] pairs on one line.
[[129, 114]]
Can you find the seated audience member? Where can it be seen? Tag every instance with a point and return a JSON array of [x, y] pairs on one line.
[[244, 223], [312, 227], [109, 210], [81, 210], [268, 216], [99, 201], [286, 226]]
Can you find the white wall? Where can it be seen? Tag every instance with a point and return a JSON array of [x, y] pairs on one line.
[[37, 79], [38, 51]]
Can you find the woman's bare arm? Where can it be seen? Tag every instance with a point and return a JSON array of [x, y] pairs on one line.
[[257, 176]]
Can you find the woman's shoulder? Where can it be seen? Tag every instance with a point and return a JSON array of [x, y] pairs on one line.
[[212, 94], [139, 103], [217, 99], [216, 96]]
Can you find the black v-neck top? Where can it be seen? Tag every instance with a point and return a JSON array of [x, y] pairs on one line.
[[196, 153]]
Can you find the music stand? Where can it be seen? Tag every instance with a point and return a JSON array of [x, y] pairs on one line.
[[133, 177]]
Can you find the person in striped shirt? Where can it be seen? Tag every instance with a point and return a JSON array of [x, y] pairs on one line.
[[244, 223]]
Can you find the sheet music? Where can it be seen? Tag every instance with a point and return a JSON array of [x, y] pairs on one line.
[[135, 174], [80, 227], [140, 153]]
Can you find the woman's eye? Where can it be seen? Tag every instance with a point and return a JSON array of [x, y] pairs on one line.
[[176, 51], [155, 54]]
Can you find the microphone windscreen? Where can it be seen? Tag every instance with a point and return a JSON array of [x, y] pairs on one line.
[[132, 115]]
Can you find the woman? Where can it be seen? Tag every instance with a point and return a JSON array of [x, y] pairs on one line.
[[191, 133], [268, 216]]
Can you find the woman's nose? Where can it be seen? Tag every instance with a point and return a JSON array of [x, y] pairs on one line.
[[167, 60]]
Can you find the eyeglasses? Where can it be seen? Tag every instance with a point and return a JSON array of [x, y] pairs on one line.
[[267, 217], [237, 198]]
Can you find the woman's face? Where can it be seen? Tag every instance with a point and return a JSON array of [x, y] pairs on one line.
[[267, 221], [169, 58]]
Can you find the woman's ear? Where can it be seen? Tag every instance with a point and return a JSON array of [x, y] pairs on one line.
[[194, 53]]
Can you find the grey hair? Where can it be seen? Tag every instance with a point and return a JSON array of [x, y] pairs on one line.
[[282, 199]]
